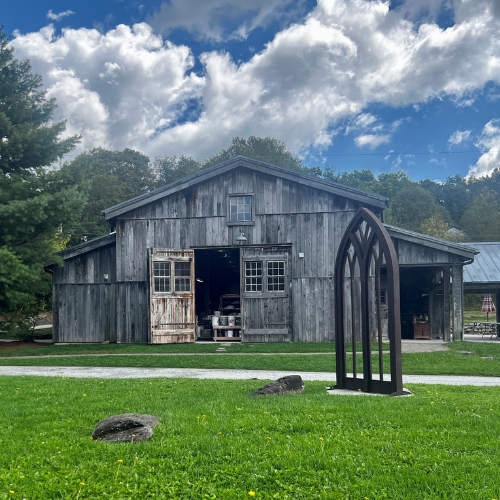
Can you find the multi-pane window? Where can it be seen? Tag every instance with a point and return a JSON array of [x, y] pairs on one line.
[[275, 276], [240, 208], [253, 276], [183, 276], [162, 276]]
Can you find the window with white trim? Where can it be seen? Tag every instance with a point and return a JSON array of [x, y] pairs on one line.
[[240, 208], [162, 276], [183, 276], [275, 275], [253, 276]]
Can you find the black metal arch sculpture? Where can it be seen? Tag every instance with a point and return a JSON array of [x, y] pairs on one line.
[[367, 249]]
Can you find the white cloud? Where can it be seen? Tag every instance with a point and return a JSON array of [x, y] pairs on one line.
[[489, 142], [133, 90], [209, 19], [458, 137], [58, 17], [118, 89], [371, 141]]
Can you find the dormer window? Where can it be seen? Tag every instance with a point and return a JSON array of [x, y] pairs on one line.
[[241, 210]]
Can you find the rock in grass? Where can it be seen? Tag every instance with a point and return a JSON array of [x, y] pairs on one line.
[[467, 353], [127, 427], [285, 385]]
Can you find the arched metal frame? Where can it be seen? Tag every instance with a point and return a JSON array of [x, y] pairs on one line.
[[367, 243]]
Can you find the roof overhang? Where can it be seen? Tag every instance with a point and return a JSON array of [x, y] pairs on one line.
[[88, 246], [466, 253], [373, 200]]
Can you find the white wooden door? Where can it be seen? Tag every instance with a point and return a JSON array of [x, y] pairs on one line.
[[171, 292]]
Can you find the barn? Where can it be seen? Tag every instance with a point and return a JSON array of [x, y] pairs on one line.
[[241, 251]]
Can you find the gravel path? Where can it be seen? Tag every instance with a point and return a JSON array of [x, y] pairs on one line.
[[124, 373]]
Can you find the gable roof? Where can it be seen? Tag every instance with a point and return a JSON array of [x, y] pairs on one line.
[[371, 199], [460, 249], [486, 267]]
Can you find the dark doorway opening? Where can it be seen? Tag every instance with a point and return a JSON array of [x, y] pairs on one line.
[[217, 278]]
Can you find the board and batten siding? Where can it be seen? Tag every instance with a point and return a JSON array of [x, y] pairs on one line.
[[311, 220], [84, 303]]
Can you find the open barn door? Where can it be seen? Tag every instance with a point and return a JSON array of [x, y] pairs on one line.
[[265, 284], [171, 292]]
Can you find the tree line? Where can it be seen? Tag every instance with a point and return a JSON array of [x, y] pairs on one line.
[[44, 209]]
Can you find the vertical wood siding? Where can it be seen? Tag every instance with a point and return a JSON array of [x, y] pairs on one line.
[[84, 304], [310, 220]]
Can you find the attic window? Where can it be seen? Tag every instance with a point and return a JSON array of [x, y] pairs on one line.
[[240, 208]]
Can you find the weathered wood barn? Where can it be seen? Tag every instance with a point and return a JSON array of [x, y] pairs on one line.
[[245, 251]]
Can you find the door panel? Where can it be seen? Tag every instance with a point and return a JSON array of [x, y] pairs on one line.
[[171, 292], [266, 297]]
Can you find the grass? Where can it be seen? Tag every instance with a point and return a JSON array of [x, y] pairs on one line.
[[477, 315], [237, 347], [215, 443], [434, 363]]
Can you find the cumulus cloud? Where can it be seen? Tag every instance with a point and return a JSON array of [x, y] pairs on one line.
[[458, 137], [117, 89], [57, 17], [217, 20], [372, 141], [132, 89], [489, 142]]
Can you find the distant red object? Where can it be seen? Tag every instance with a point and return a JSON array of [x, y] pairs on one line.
[[488, 305]]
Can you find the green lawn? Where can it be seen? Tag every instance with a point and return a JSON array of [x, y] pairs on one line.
[[477, 315], [434, 363], [176, 348], [215, 443]]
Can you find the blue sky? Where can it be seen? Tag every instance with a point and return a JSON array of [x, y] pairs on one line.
[[409, 85]]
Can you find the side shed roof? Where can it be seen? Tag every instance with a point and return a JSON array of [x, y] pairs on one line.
[[460, 249], [485, 271], [371, 199], [102, 241]]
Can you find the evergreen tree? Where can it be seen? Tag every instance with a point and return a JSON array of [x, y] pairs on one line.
[[37, 205]]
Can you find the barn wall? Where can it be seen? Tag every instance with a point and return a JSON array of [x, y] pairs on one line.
[[84, 304], [312, 221], [416, 254]]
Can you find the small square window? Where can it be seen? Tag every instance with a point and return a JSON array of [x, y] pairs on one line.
[[240, 208], [253, 276]]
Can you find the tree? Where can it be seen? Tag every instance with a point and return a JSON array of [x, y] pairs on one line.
[[481, 220], [268, 150], [171, 168], [37, 205], [437, 227], [411, 207], [109, 177]]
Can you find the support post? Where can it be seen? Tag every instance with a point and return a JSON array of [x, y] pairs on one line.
[[446, 304], [432, 316], [458, 302], [497, 306]]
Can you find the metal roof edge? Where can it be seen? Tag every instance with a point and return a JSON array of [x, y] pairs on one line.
[[206, 173]]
